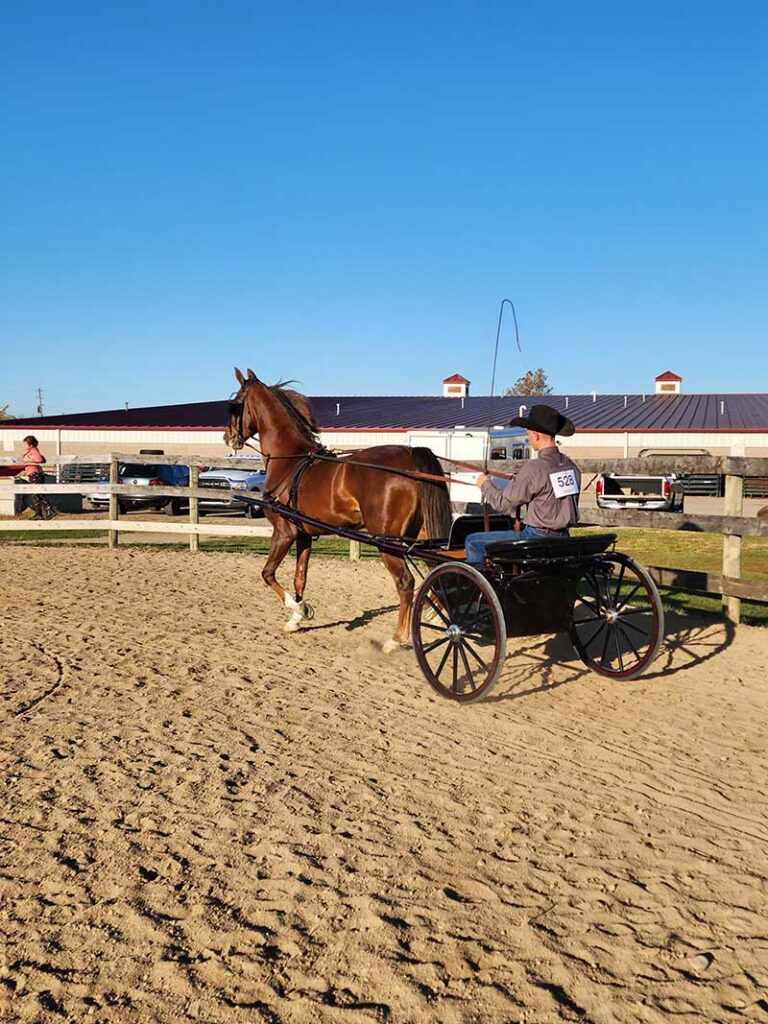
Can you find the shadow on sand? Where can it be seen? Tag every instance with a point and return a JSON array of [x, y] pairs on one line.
[[359, 620], [537, 664]]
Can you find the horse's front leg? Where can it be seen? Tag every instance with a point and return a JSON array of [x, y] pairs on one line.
[[282, 540], [301, 609], [401, 574]]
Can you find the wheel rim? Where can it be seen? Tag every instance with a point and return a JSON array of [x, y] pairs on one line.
[[617, 618], [458, 633]]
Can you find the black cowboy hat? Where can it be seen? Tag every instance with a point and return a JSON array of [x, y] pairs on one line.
[[545, 420]]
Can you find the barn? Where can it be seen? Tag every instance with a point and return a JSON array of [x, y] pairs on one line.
[[452, 423]]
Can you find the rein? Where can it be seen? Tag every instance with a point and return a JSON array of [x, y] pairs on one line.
[[323, 455]]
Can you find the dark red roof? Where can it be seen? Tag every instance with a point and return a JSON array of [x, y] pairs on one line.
[[456, 379], [398, 412], [668, 375]]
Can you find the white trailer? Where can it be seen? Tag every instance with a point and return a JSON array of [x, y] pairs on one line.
[[465, 445]]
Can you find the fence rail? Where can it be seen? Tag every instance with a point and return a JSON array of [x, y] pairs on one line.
[[733, 525]]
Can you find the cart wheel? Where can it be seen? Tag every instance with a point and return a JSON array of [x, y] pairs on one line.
[[459, 633], [618, 620]]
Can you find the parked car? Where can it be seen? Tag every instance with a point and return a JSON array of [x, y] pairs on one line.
[[246, 481], [83, 472], [145, 476], [652, 492]]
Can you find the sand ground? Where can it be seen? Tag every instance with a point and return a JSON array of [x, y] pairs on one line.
[[203, 819]]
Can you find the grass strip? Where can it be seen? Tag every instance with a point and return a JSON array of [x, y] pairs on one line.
[[676, 549]]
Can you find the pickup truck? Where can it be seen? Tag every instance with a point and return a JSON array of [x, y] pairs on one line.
[[652, 492], [246, 481]]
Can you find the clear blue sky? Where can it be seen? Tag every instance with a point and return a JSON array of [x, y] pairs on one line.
[[344, 192]]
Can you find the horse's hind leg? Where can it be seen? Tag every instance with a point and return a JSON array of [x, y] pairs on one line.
[[401, 574]]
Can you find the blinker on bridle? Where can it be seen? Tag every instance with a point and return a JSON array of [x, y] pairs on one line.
[[236, 410]]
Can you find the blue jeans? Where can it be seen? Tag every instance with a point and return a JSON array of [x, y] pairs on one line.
[[476, 543]]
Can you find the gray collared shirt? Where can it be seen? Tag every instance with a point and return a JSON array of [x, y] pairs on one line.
[[532, 486]]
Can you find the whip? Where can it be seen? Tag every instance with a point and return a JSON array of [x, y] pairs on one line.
[[486, 520]]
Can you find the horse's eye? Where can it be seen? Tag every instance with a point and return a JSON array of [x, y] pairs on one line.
[[234, 408]]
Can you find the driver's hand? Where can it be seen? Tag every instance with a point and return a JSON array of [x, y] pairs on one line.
[[481, 479]]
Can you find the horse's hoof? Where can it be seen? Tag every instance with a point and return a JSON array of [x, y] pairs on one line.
[[291, 627], [309, 611], [390, 645]]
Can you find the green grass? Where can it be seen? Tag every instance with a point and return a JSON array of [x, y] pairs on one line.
[[680, 549], [701, 552], [325, 547], [674, 549], [42, 538], [687, 602]]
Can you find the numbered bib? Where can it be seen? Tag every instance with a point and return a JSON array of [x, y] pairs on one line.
[[564, 483]]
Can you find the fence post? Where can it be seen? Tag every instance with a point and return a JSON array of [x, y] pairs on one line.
[[354, 550], [734, 506], [114, 505], [194, 507]]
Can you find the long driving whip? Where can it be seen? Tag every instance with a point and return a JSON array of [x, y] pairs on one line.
[[510, 303]]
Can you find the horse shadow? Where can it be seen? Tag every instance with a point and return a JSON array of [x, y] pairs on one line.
[[689, 641], [359, 620]]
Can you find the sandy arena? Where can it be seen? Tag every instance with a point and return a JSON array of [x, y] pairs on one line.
[[204, 819]]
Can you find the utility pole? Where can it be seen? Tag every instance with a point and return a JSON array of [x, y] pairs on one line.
[[39, 402]]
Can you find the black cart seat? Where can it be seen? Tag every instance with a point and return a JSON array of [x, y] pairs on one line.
[[464, 525], [549, 547]]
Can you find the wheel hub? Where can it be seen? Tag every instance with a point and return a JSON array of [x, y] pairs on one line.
[[611, 615], [453, 632]]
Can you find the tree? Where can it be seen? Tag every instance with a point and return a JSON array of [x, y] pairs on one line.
[[4, 413], [533, 382]]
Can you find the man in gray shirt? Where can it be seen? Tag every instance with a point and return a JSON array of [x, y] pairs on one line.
[[548, 485]]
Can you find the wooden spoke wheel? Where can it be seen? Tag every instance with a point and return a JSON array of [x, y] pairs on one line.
[[618, 620], [459, 633]]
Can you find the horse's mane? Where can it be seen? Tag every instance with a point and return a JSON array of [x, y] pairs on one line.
[[299, 409]]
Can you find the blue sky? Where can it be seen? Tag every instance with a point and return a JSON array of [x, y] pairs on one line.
[[343, 193]]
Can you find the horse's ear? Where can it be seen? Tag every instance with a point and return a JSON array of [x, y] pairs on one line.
[[239, 377], [251, 374]]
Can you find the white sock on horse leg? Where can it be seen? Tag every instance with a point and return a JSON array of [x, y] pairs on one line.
[[297, 613]]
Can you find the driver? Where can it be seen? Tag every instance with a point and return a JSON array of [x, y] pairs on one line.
[[549, 485]]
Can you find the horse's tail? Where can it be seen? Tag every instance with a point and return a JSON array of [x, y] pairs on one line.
[[435, 500]]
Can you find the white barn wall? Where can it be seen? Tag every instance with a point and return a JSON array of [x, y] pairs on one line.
[[592, 444]]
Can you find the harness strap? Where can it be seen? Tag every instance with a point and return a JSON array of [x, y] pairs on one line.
[[293, 497], [324, 455]]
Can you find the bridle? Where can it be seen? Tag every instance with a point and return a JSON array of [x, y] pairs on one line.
[[237, 410], [318, 453]]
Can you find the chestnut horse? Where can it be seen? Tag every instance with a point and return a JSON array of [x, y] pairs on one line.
[[340, 492]]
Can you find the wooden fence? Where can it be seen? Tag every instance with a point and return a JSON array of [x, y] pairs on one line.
[[114, 524], [733, 525]]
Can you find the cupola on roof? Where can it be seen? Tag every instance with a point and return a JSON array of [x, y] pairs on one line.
[[455, 386]]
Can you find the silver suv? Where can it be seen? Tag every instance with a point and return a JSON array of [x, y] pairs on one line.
[[247, 481], [145, 476]]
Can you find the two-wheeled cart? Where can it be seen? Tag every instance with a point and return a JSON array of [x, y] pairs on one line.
[[463, 614]]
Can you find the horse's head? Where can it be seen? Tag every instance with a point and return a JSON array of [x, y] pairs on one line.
[[243, 422]]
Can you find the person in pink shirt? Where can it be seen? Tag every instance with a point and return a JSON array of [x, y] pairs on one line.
[[34, 459]]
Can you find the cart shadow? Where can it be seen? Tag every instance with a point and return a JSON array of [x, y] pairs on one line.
[[689, 641], [693, 638]]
